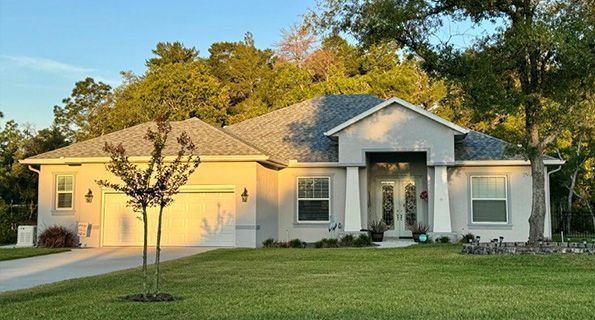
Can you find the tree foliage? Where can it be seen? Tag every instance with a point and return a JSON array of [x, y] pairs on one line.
[[537, 66]]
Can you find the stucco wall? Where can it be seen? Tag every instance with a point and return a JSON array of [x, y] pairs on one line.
[[240, 174], [289, 228], [266, 203], [519, 202], [396, 128]]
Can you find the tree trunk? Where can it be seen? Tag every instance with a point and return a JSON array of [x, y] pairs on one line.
[[158, 250], [145, 245], [537, 218], [535, 150]]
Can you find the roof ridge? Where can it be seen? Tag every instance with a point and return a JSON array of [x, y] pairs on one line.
[[302, 103], [490, 136], [113, 133], [220, 130]]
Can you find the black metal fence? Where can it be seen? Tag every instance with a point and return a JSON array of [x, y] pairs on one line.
[[576, 225]]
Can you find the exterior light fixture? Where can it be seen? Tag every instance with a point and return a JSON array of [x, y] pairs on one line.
[[244, 195], [89, 196]]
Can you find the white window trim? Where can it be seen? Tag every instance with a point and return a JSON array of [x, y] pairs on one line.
[[505, 199], [297, 197], [63, 192]]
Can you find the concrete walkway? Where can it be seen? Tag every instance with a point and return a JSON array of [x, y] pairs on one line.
[[34, 271], [393, 243]]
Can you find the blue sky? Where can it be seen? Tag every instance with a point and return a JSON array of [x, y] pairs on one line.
[[46, 46]]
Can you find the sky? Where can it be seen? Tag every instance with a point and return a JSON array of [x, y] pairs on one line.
[[46, 46]]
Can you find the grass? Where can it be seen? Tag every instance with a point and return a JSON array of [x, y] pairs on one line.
[[420, 282], [18, 253]]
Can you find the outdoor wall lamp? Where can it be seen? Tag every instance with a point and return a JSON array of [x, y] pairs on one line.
[[244, 195], [89, 196]]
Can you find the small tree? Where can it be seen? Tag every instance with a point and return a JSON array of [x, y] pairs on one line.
[[136, 185], [169, 177]]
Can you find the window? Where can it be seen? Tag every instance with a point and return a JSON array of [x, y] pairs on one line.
[[313, 199], [64, 192], [489, 199]]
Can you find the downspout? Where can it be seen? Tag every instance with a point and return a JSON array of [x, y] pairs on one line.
[[30, 167]]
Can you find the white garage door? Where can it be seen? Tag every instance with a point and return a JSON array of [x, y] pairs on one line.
[[193, 219]]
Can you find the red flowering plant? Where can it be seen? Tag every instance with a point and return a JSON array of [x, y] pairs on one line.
[[424, 195]]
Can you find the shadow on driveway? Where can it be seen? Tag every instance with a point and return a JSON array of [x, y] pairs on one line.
[[78, 263]]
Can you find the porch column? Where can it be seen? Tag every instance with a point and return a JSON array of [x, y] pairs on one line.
[[353, 215], [441, 203]]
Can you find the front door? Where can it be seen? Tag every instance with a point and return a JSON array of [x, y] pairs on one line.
[[399, 205]]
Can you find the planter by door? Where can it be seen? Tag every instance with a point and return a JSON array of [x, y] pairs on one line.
[[377, 236], [416, 236]]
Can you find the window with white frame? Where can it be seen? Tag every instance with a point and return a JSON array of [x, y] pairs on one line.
[[489, 202], [64, 192], [313, 199]]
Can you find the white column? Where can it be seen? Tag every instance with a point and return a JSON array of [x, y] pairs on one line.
[[353, 215], [441, 203]]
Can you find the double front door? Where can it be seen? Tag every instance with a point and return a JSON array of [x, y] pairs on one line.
[[397, 202]]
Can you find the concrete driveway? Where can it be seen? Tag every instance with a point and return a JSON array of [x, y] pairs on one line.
[[31, 272]]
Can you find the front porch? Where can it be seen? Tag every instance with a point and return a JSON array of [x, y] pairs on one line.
[[400, 188]]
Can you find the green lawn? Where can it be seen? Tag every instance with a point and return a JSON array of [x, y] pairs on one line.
[[423, 282], [18, 253]]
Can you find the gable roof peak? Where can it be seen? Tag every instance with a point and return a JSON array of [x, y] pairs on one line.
[[402, 103]]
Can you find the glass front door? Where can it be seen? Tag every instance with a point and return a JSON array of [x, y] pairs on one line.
[[398, 203]]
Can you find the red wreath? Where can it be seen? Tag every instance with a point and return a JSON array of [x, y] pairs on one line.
[[424, 195]]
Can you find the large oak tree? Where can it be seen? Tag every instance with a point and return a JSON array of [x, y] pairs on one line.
[[538, 63]]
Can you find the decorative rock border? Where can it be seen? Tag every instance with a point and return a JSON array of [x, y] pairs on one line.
[[489, 248]]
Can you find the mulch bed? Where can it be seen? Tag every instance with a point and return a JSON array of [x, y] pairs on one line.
[[159, 297]]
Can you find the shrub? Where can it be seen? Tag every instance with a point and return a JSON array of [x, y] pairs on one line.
[[327, 243], [443, 239], [467, 237], [377, 226], [57, 237], [269, 243], [420, 228], [362, 241], [346, 241], [296, 243]]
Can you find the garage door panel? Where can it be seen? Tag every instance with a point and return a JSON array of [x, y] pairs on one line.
[[193, 219]]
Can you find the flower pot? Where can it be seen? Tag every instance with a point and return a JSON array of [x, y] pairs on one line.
[[416, 236], [377, 236]]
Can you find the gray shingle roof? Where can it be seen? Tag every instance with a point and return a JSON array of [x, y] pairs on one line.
[[210, 141], [479, 146], [297, 132]]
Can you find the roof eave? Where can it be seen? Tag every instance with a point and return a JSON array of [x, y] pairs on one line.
[[206, 158], [479, 163]]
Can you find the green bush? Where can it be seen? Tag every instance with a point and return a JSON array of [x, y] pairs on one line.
[[467, 237], [269, 243], [346, 241], [362, 241], [296, 243], [327, 243], [57, 237], [443, 239]]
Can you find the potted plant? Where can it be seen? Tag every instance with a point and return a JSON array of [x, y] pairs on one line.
[[418, 230], [376, 229]]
